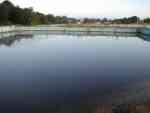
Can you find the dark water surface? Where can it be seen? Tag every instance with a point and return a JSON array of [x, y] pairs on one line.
[[72, 74]]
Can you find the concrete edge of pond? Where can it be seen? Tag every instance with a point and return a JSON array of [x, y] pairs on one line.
[[143, 30]]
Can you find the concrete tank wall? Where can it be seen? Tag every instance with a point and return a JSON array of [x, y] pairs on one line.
[[4, 29], [7, 31], [79, 30]]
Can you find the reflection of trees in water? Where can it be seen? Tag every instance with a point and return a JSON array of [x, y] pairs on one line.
[[9, 41], [144, 37]]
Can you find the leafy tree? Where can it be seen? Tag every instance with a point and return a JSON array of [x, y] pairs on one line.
[[16, 15], [21, 16], [147, 20], [51, 19], [27, 15], [133, 19], [5, 9]]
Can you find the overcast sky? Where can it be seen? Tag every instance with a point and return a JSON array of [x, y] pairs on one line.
[[89, 8]]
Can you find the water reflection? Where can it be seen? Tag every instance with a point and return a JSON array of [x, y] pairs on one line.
[[72, 73], [144, 37], [9, 41], [11, 38]]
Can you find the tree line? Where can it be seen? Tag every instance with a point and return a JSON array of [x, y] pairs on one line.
[[129, 20], [11, 14]]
